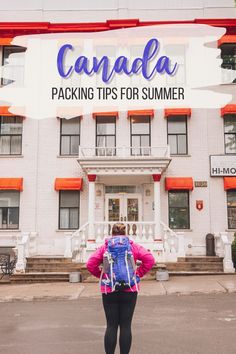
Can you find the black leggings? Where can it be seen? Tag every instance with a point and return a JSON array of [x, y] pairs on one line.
[[119, 308]]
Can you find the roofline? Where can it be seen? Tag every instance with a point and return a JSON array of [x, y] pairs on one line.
[[19, 28]]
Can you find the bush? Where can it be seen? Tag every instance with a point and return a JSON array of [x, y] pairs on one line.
[[234, 250]]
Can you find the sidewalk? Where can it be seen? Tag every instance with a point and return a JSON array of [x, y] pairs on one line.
[[179, 285]]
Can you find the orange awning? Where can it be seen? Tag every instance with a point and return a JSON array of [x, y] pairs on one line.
[[106, 114], [228, 109], [227, 39], [11, 184], [5, 41], [144, 112], [179, 183], [4, 111], [229, 183], [68, 184], [178, 112]]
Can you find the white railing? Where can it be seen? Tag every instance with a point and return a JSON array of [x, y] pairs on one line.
[[123, 152], [25, 247], [169, 247], [173, 243], [138, 231], [76, 243], [223, 249]]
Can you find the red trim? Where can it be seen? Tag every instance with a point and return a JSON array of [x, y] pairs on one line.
[[69, 184], [229, 183], [156, 177], [106, 114], [227, 39], [92, 178], [144, 112], [228, 109], [11, 184], [12, 29], [178, 183], [4, 111], [178, 112]]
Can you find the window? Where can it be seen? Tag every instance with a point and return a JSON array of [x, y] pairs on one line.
[[70, 136], [228, 55], [140, 135], [16, 69], [9, 209], [69, 202], [105, 135], [230, 133], [11, 135], [177, 135], [179, 210], [231, 208]]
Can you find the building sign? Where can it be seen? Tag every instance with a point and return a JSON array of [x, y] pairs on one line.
[[222, 165], [200, 183], [199, 204]]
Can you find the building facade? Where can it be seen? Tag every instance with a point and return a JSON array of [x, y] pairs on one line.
[[169, 175]]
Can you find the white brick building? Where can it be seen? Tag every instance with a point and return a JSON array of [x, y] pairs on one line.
[[150, 170]]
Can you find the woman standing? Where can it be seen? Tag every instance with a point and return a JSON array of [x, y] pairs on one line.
[[119, 299]]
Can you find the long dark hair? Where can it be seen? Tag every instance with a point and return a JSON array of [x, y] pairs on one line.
[[118, 229]]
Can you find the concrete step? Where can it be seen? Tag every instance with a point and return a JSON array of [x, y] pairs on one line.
[[200, 259], [37, 277], [187, 266], [49, 260], [196, 273]]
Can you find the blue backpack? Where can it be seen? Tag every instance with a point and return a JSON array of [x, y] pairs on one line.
[[118, 265]]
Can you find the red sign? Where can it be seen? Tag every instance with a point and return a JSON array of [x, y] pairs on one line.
[[199, 204]]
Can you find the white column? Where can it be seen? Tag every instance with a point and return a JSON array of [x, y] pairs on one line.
[[91, 206], [227, 240], [157, 205]]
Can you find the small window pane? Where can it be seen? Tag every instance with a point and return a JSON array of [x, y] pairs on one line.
[[110, 141], [140, 124], [231, 198], [135, 141], [172, 141], [230, 143], [101, 141], [11, 125], [64, 218], [65, 145], [145, 140], [5, 145], [106, 125], [13, 218], [179, 218], [74, 145], [16, 145], [182, 144], [70, 126], [230, 123], [177, 125], [69, 199], [9, 199], [74, 219], [178, 199]]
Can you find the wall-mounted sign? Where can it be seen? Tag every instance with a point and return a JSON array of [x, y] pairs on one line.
[[199, 204], [222, 165], [200, 183]]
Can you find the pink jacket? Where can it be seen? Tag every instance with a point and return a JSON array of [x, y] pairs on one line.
[[139, 253]]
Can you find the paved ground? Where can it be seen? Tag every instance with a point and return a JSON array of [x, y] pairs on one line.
[[191, 324], [185, 285]]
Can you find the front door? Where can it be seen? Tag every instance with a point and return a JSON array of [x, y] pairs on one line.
[[123, 207]]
